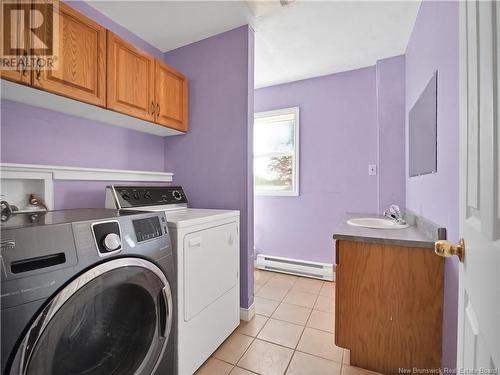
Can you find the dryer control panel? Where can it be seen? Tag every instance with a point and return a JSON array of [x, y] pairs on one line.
[[140, 196]]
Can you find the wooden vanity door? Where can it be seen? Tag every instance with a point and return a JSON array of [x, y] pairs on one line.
[[81, 64], [171, 95], [389, 305], [131, 75]]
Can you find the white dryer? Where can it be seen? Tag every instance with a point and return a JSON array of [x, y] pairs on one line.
[[206, 250]]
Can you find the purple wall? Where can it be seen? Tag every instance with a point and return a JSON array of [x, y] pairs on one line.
[[391, 132], [212, 161], [34, 135], [433, 46], [31, 135], [89, 194], [338, 139]]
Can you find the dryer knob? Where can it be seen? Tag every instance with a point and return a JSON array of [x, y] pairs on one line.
[[112, 242]]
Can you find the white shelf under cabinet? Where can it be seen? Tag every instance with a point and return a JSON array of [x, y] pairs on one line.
[[18, 181], [43, 99]]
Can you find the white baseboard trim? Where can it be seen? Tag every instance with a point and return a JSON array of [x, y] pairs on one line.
[[247, 314]]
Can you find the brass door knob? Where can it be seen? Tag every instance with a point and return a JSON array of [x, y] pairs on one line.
[[445, 248]]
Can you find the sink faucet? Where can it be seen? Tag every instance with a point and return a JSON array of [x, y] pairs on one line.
[[395, 214]]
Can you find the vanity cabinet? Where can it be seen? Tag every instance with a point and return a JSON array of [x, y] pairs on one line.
[[80, 72], [131, 79], [389, 305]]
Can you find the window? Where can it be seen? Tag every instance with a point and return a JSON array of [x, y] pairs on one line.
[[276, 152]]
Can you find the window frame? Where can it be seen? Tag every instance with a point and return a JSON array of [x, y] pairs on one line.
[[295, 159]]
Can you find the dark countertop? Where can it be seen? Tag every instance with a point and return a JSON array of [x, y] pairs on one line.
[[410, 236]]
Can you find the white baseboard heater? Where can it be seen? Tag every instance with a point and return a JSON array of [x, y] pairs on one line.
[[314, 270]]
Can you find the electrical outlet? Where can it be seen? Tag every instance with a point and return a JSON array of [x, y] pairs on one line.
[[372, 169]]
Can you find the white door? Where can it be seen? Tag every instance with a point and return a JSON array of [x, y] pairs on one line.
[[479, 290]]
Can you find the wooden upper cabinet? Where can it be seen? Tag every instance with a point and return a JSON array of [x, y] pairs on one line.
[[95, 66], [80, 72], [21, 74], [171, 97], [130, 79]]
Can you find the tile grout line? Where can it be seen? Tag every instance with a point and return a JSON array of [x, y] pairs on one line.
[[304, 326], [236, 365], [246, 350], [267, 317], [298, 342], [294, 350], [312, 309], [288, 303]]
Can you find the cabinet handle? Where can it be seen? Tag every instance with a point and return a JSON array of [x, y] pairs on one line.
[[38, 69], [157, 109], [25, 63], [20, 66], [152, 108]]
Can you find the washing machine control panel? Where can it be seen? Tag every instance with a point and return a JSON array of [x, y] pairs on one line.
[[107, 236], [140, 196], [147, 229]]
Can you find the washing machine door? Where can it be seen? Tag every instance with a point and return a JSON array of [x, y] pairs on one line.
[[115, 318]]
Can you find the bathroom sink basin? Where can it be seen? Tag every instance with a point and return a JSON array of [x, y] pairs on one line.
[[376, 223]]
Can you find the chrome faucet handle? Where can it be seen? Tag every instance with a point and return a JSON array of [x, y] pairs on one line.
[[395, 214], [394, 209]]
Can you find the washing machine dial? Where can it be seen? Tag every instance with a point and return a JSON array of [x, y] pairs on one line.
[[112, 242], [177, 195]]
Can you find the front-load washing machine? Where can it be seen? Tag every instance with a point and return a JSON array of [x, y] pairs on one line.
[[206, 248], [87, 291]]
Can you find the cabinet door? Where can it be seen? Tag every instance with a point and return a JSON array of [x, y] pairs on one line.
[[211, 265], [171, 97], [388, 308], [130, 79], [13, 23], [80, 72]]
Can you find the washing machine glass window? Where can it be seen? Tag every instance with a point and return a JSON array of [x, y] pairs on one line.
[[113, 319]]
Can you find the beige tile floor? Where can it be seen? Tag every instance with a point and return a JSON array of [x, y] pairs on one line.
[[292, 332]]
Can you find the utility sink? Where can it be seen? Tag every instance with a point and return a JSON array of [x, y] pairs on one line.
[[376, 223]]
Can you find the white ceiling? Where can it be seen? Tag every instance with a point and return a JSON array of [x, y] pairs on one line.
[[302, 40]]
